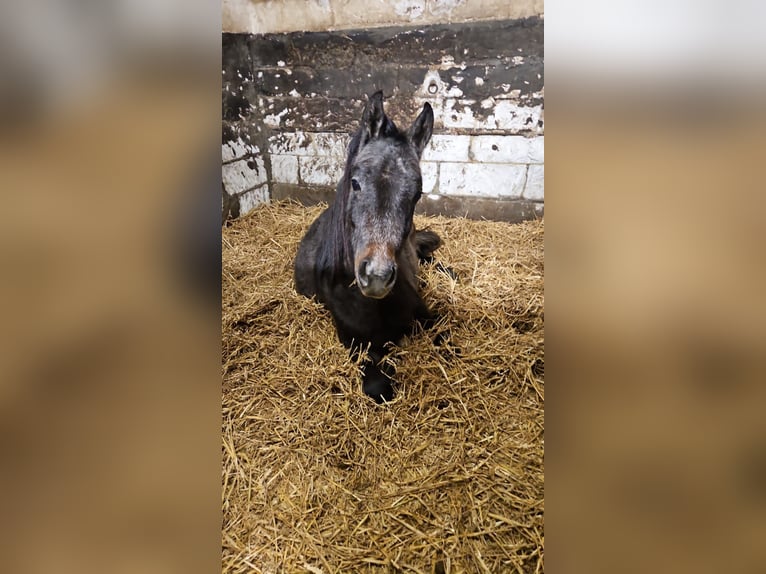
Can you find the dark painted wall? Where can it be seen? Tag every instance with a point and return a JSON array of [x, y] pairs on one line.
[[481, 78]]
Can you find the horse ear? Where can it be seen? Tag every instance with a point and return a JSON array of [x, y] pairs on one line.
[[421, 129], [374, 117]]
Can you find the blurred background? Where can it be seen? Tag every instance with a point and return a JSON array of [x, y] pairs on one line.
[[656, 458], [109, 288], [110, 272]]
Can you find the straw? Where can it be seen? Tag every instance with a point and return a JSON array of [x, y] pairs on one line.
[[446, 478]]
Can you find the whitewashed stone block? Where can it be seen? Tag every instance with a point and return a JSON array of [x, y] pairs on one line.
[[505, 115], [317, 170], [429, 170], [239, 176], [235, 149], [447, 148], [537, 150], [290, 143], [500, 149], [309, 143], [483, 180], [253, 198], [458, 114], [284, 168], [535, 188], [330, 143]]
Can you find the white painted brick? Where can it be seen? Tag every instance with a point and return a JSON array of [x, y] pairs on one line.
[[458, 114], [535, 187], [235, 149], [330, 143], [500, 149], [238, 176], [253, 198], [429, 171], [537, 150], [483, 180], [506, 115], [290, 143], [284, 168], [308, 143], [317, 170], [447, 148]]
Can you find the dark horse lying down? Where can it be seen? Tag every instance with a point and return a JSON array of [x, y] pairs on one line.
[[360, 256]]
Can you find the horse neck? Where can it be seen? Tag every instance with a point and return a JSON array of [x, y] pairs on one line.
[[334, 247]]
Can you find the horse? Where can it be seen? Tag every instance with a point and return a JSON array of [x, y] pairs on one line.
[[360, 257]]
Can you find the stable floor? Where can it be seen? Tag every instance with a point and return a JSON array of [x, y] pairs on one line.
[[446, 478]]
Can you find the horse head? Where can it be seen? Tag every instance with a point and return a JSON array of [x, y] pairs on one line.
[[382, 184]]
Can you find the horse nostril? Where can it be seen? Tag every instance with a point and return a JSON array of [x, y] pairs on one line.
[[391, 277], [364, 277], [382, 277]]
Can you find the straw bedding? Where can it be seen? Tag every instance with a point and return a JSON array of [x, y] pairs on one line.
[[446, 478]]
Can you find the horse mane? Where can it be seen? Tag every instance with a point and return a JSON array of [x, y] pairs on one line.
[[334, 253]]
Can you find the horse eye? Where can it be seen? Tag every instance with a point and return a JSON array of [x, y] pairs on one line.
[[355, 185]]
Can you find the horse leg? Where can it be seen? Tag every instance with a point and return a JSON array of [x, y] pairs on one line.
[[377, 381], [426, 242], [425, 316]]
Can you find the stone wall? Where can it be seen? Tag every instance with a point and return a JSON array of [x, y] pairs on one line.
[[268, 16], [291, 101]]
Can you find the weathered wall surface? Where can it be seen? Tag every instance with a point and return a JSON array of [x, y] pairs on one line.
[[268, 16], [291, 101]]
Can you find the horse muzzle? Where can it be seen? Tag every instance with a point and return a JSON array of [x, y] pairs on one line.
[[376, 277]]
